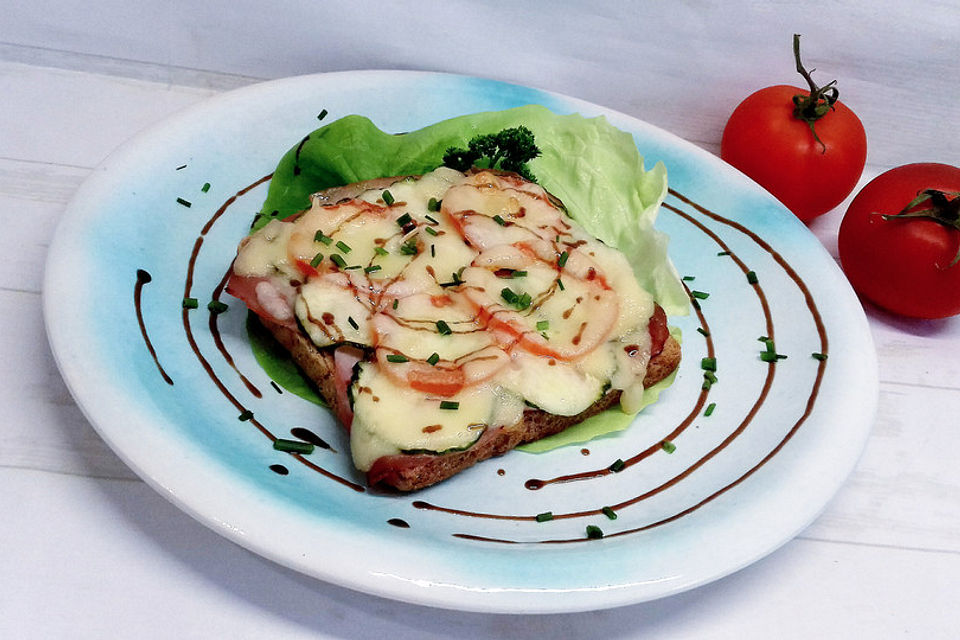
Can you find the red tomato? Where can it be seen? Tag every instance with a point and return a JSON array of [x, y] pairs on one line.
[[766, 141], [904, 265]]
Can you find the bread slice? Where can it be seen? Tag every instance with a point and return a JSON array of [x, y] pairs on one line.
[[409, 472]]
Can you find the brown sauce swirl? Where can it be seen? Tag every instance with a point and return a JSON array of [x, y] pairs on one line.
[[144, 277]]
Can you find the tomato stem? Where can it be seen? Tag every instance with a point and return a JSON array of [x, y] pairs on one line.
[[818, 102], [943, 208]]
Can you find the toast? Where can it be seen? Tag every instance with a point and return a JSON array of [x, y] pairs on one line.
[[378, 357]]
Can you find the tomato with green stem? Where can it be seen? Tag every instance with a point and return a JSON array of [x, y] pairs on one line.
[[899, 241], [802, 145]]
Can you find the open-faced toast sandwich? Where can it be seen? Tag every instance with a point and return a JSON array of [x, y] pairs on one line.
[[448, 317]]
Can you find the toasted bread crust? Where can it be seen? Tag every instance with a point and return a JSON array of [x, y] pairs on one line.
[[409, 472]]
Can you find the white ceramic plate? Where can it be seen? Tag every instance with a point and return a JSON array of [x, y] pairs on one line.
[[741, 482]]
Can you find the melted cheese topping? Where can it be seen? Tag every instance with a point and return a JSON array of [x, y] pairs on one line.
[[473, 309]]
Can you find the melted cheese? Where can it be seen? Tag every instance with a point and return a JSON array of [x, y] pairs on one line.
[[495, 300]]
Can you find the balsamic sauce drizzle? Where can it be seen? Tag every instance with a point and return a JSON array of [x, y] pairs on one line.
[[188, 330], [143, 277], [218, 340], [309, 436]]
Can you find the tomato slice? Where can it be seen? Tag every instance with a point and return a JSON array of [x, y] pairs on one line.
[[659, 331], [441, 381]]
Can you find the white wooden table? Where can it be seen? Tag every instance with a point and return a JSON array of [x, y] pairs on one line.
[[89, 551]]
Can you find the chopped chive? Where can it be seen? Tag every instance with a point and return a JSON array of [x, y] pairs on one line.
[[205, 187], [560, 284], [708, 364], [353, 323], [216, 307], [353, 266], [524, 301], [454, 282], [689, 278], [508, 294], [562, 260], [404, 220], [433, 205], [668, 446], [380, 251], [706, 384], [543, 325], [319, 237], [500, 221], [317, 259], [372, 268], [430, 230], [433, 359], [701, 295], [518, 274], [322, 115], [397, 357], [433, 251], [752, 277], [409, 248], [771, 356], [594, 532], [245, 415], [190, 303], [709, 376], [546, 516], [387, 198], [710, 408], [819, 356], [724, 253], [703, 332], [449, 405], [183, 166], [338, 260], [431, 219], [617, 466], [185, 203], [443, 328], [292, 446], [610, 513], [343, 246]]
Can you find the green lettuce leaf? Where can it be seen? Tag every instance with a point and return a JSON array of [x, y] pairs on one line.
[[276, 362]]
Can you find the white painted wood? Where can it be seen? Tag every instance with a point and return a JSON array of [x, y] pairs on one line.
[[905, 492], [681, 65], [42, 426], [76, 82], [64, 117]]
